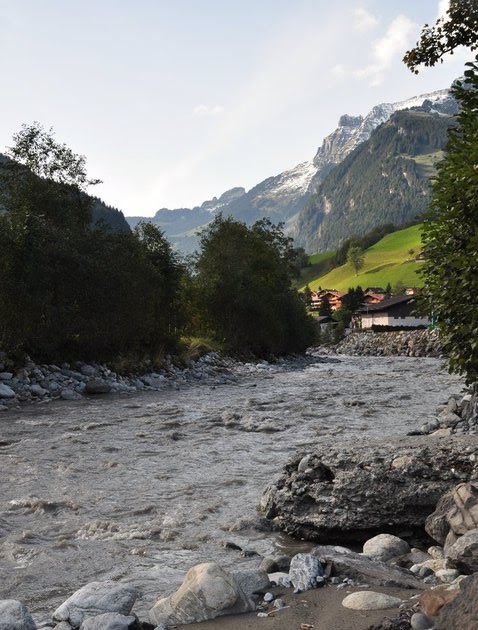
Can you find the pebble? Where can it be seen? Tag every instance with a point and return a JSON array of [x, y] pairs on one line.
[[419, 621], [268, 597]]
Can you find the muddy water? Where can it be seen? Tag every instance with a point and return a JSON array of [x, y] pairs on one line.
[[140, 488]]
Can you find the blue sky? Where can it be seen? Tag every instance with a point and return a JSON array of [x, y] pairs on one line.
[[175, 101]]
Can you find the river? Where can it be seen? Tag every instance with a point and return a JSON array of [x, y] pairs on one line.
[[140, 488]]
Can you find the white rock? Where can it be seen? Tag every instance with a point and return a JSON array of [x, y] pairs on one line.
[[206, 592], [370, 600], [109, 621], [94, 599], [447, 575], [384, 547]]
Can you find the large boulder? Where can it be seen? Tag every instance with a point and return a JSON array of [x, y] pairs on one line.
[[95, 599], [354, 490], [463, 554], [462, 612], [111, 621], [14, 616], [347, 563], [208, 592]]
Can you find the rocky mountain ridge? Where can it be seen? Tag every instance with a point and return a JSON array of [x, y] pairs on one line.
[[281, 197]]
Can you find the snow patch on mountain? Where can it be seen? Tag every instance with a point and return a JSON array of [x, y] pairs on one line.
[[353, 130], [292, 182]]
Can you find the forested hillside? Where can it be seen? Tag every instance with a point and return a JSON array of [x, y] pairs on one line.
[[102, 214], [386, 179]]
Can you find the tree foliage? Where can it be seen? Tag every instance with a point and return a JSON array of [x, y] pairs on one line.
[[451, 236], [69, 291], [458, 28], [355, 258], [243, 289]]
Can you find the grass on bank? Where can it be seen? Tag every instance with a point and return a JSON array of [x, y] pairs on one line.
[[388, 261]]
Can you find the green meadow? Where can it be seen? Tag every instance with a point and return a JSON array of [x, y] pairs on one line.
[[388, 261]]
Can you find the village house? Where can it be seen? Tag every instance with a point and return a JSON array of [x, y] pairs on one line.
[[333, 296], [396, 312]]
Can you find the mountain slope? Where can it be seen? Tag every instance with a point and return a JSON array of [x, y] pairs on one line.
[[389, 260], [384, 180], [282, 196], [353, 130]]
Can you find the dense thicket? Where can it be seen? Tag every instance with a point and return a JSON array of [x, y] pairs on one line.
[[73, 290], [243, 289], [68, 290], [384, 180]]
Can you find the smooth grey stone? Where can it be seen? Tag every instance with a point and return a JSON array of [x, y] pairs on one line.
[[6, 391], [15, 616], [419, 621], [94, 599]]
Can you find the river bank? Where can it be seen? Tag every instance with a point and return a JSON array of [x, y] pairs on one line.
[[45, 383], [141, 487]]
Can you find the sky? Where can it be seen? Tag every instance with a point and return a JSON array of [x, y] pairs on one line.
[[174, 102]]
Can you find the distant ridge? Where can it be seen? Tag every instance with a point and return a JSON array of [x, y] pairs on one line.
[[282, 197]]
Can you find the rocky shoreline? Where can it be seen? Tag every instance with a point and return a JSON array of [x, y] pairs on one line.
[[379, 494], [42, 383]]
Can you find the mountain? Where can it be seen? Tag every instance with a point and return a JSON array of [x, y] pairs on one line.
[[353, 130], [385, 179], [283, 197], [278, 197]]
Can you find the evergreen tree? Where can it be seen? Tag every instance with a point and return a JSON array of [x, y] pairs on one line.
[[325, 309]]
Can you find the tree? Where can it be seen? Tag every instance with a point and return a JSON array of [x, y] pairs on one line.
[[355, 258], [458, 28], [242, 285], [69, 291], [450, 236], [325, 309], [450, 233], [398, 288]]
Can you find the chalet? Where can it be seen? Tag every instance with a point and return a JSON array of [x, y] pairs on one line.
[[373, 298], [333, 296], [397, 312]]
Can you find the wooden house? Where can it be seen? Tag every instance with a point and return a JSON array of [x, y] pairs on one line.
[[394, 312], [333, 296]]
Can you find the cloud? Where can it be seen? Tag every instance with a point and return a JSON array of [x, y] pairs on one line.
[[363, 21], [443, 6], [338, 71], [388, 49], [208, 110]]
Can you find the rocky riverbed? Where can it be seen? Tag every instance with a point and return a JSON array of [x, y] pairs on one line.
[[140, 487]]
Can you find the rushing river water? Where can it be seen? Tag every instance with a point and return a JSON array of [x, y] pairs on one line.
[[141, 488]]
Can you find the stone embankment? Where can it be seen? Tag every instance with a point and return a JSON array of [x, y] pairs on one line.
[[412, 343]]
